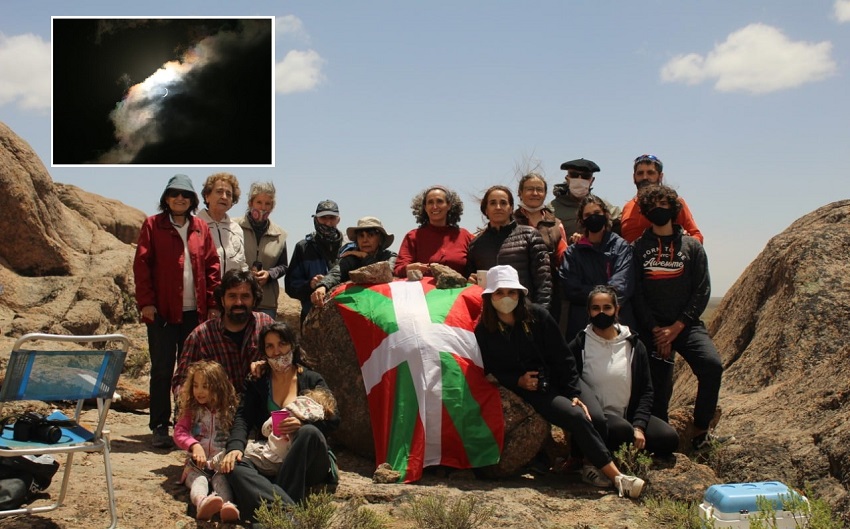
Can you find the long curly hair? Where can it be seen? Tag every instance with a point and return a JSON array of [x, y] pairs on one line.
[[222, 395], [417, 206]]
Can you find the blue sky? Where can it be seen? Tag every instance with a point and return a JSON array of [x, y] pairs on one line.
[[745, 102]]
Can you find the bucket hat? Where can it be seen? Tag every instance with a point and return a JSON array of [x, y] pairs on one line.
[[503, 276], [367, 223]]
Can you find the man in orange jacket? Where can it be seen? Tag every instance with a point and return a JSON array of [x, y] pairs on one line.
[[648, 169]]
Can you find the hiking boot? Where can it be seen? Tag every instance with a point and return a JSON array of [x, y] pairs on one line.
[[209, 506], [593, 476], [161, 439], [628, 486], [229, 512], [706, 440]]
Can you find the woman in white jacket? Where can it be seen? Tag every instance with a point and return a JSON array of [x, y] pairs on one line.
[[613, 367]]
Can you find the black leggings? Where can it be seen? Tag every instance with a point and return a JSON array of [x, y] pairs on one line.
[[661, 438], [307, 464], [559, 410]]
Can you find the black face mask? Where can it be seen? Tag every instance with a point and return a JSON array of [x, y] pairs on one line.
[[660, 216], [595, 223], [603, 321]]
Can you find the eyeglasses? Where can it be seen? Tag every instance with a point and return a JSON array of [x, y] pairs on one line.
[[368, 231], [174, 193], [541, 190], [576, 174], [650, 158]]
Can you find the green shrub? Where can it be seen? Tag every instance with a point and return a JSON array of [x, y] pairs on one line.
[[433, 511], [632, 461], [671, 513], [318, 512]]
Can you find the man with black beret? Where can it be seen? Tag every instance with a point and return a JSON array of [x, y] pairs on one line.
[[568, 196]]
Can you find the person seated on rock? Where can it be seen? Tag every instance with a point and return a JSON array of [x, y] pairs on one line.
[[523, 348], [438, 239], [613, 367], [672, 289], [373, 244], [309, 463], [232, 339]]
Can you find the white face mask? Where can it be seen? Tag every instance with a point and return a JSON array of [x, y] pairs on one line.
[[579, 187], [505, 305], [281, 363]]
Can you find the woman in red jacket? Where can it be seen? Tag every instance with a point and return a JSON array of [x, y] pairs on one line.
[[176, 270]]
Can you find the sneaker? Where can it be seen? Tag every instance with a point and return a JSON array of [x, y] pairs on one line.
[[161, 439], [706, 440], [229, 512], [209, 506], [592, 476], [628, 486]]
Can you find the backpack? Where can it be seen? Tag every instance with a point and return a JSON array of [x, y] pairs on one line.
[[22, 477]]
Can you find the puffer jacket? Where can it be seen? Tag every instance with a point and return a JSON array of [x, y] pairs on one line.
[[523, 248]]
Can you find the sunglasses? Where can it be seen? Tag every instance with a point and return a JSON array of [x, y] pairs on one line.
[[174, 193], [370, 231], [649, 158], [577, 174]]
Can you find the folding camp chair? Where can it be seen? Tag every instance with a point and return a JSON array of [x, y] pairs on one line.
[[52, 375]]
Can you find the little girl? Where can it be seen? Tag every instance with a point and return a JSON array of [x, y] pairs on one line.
[[207, 402]]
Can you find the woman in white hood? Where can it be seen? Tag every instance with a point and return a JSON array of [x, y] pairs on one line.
[[614, 367]]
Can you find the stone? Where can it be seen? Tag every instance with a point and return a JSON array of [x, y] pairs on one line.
[[680, 479], [372, 274], [122, 221], [446, 277]]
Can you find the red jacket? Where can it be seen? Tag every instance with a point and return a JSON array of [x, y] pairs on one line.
[[158, 267]]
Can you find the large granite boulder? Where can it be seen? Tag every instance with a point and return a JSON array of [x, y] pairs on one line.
[[122, 221], [59, 271], [781, 331], [330, 350]]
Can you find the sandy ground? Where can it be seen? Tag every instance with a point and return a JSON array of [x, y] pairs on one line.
[[149, 495]]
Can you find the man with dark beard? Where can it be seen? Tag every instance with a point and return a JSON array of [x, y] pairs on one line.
[[230, 340], [648, 169], [314, 255]]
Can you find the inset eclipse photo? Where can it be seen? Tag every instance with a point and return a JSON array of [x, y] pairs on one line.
[[163, 91]]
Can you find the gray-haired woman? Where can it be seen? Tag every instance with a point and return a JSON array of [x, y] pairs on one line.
[[265, 244]]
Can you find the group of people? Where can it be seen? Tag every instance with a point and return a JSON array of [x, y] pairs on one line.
[[583, 309]]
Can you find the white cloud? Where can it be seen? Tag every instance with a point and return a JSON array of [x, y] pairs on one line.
[[25, 63], [300, 71], [290, 26], [842, 10], [757, 59]]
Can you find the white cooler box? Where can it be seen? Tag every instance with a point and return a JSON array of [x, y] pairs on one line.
[[731, 504]]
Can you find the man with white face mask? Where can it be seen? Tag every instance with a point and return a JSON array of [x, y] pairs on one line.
[[578, 184]]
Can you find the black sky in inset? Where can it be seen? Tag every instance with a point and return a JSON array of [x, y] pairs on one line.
[[221, 116]]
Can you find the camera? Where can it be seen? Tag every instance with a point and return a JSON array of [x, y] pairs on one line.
[[256, 266], [33, 426], [542, 381]]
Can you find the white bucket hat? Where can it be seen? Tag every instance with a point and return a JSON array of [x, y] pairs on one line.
[[503, 276]]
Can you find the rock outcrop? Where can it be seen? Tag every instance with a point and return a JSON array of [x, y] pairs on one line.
[[781, 331], [59, 271], [114, 216]]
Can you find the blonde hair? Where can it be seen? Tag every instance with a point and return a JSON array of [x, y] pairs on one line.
[[222, 396], [323, 398]]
